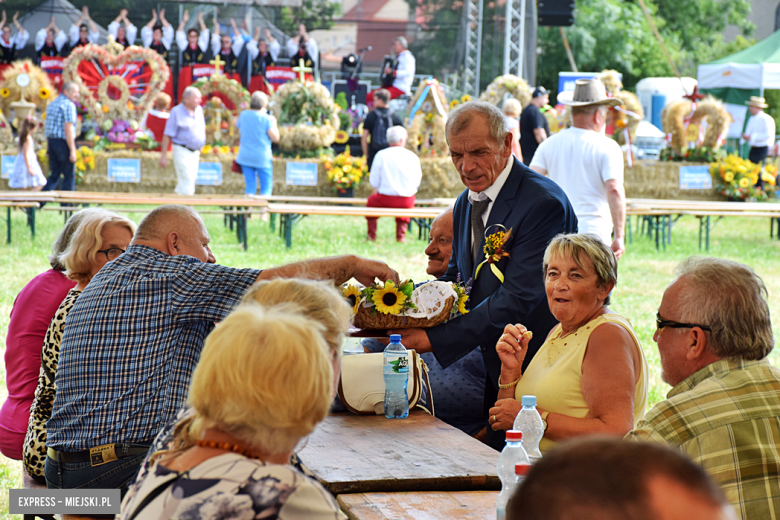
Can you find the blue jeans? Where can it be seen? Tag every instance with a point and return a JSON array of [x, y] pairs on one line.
[[118, 474], [251, 175], [60, 165]]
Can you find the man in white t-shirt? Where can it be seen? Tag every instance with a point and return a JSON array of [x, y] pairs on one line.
[[395, 176], [587, 165]]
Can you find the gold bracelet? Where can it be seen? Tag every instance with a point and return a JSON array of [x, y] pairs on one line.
[[510, 385]]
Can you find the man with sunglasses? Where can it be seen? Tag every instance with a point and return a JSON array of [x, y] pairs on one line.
[[714, 334]]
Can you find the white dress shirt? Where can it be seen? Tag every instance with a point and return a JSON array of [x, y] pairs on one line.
[[203, 40], [93, 37], [167, 36], [131, 31], [59, 39], [292, 49], [404, 74], [20, 39], [273, 49], [396, 172], [236, 46], [493, 191], [761, 130]]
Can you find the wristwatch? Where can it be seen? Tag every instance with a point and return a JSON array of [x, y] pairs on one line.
[[544, 419]]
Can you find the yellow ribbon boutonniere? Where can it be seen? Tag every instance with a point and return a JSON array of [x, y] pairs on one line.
[[494, 252]]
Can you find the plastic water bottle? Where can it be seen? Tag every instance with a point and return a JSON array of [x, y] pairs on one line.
[[396, 373], [512, 455], [530, 423]]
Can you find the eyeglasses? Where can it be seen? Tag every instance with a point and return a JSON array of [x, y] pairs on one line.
[[112, 253], [662, 324]]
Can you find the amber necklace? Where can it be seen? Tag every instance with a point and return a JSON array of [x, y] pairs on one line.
[[226, 446]]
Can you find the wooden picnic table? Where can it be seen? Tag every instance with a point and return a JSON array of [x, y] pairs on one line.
[[26, 205], [290, 214], [430, 505], [351, 453], [658, 214]]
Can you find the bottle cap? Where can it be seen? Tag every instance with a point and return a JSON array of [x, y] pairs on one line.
[[522, 469], [395, 338], [529, 400], [514, 435]]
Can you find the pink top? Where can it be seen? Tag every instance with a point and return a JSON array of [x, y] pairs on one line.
[[31, 315]]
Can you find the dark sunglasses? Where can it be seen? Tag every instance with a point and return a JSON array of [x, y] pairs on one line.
[[662, 324]]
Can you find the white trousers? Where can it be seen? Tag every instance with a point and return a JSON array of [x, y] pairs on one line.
[[185, 163]]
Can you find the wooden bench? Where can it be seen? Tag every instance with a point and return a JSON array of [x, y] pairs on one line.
[[232, 205], [289, 214], [431, 505], [658, 214], [26, 205]]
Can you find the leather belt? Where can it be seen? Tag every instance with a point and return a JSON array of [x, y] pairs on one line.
[[97, 455], [187, 147]]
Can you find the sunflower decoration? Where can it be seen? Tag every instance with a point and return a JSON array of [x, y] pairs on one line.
[[454, 103], [352, 295], [5, 92], [465, 98], [386, 298], [342, 137], [44, 93]]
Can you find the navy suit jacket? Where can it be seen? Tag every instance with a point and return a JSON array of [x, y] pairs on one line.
[[536, 209]]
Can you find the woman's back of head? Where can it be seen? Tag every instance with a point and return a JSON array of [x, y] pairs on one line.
[[265, 377]]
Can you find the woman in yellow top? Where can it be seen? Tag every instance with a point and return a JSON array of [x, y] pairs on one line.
[[590, 375]]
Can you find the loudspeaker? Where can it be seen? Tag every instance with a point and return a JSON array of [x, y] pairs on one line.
[[555, 12]]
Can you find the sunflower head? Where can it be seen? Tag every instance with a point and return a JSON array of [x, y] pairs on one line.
[[5, 92], [388, 299], [44, 93], [462, 304], [352, 294], [342, 137]]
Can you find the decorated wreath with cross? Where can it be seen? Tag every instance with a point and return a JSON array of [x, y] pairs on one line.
[[308, 117], [224, 98]]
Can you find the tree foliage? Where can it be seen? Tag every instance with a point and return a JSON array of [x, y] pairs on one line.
[[314, 14]]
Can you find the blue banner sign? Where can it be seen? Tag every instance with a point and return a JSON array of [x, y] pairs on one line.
[[124, 170], [7, 166], [209, 174], [301, 174], [695, 178]]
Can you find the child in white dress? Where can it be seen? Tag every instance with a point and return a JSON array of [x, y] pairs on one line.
[[27, 174]]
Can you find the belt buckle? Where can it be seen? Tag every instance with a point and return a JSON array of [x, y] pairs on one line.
[[102, 454]]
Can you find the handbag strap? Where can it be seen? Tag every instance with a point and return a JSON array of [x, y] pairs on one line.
[[428, 385]]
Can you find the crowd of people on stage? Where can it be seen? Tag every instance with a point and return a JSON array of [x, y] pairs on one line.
[[125, 321]]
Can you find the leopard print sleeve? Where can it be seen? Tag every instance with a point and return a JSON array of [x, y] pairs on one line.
[[41, 409]]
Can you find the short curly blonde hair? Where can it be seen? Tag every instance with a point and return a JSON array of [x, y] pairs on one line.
[[264, 377], [87, 241], [574, 245], [317, 300]]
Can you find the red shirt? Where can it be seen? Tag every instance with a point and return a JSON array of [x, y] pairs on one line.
[[31, 315], [155, 121]]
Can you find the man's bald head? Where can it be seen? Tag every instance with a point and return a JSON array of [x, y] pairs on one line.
[[175, 230]]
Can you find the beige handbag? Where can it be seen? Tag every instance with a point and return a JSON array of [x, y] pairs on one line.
[[362, 384]]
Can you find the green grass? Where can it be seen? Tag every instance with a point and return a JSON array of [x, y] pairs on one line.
[[644, 272]]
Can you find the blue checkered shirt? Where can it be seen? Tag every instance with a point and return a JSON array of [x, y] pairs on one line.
[[60, 111], [131, 343]]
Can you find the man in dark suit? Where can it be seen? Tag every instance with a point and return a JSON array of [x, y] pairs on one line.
[[500, 190]]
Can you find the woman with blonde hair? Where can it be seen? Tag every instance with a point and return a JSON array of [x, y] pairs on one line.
[[590, 375], [100, 237], [512, 109], [263, 382]]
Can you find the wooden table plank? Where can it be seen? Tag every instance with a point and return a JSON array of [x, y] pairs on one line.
[[430, 505], [304, 209], [366, 453]]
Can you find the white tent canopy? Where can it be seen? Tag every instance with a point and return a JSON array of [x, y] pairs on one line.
[[757, 67]]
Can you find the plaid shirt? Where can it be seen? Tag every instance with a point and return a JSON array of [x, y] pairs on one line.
[[131, 343], [726, 417], [60, 111]]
